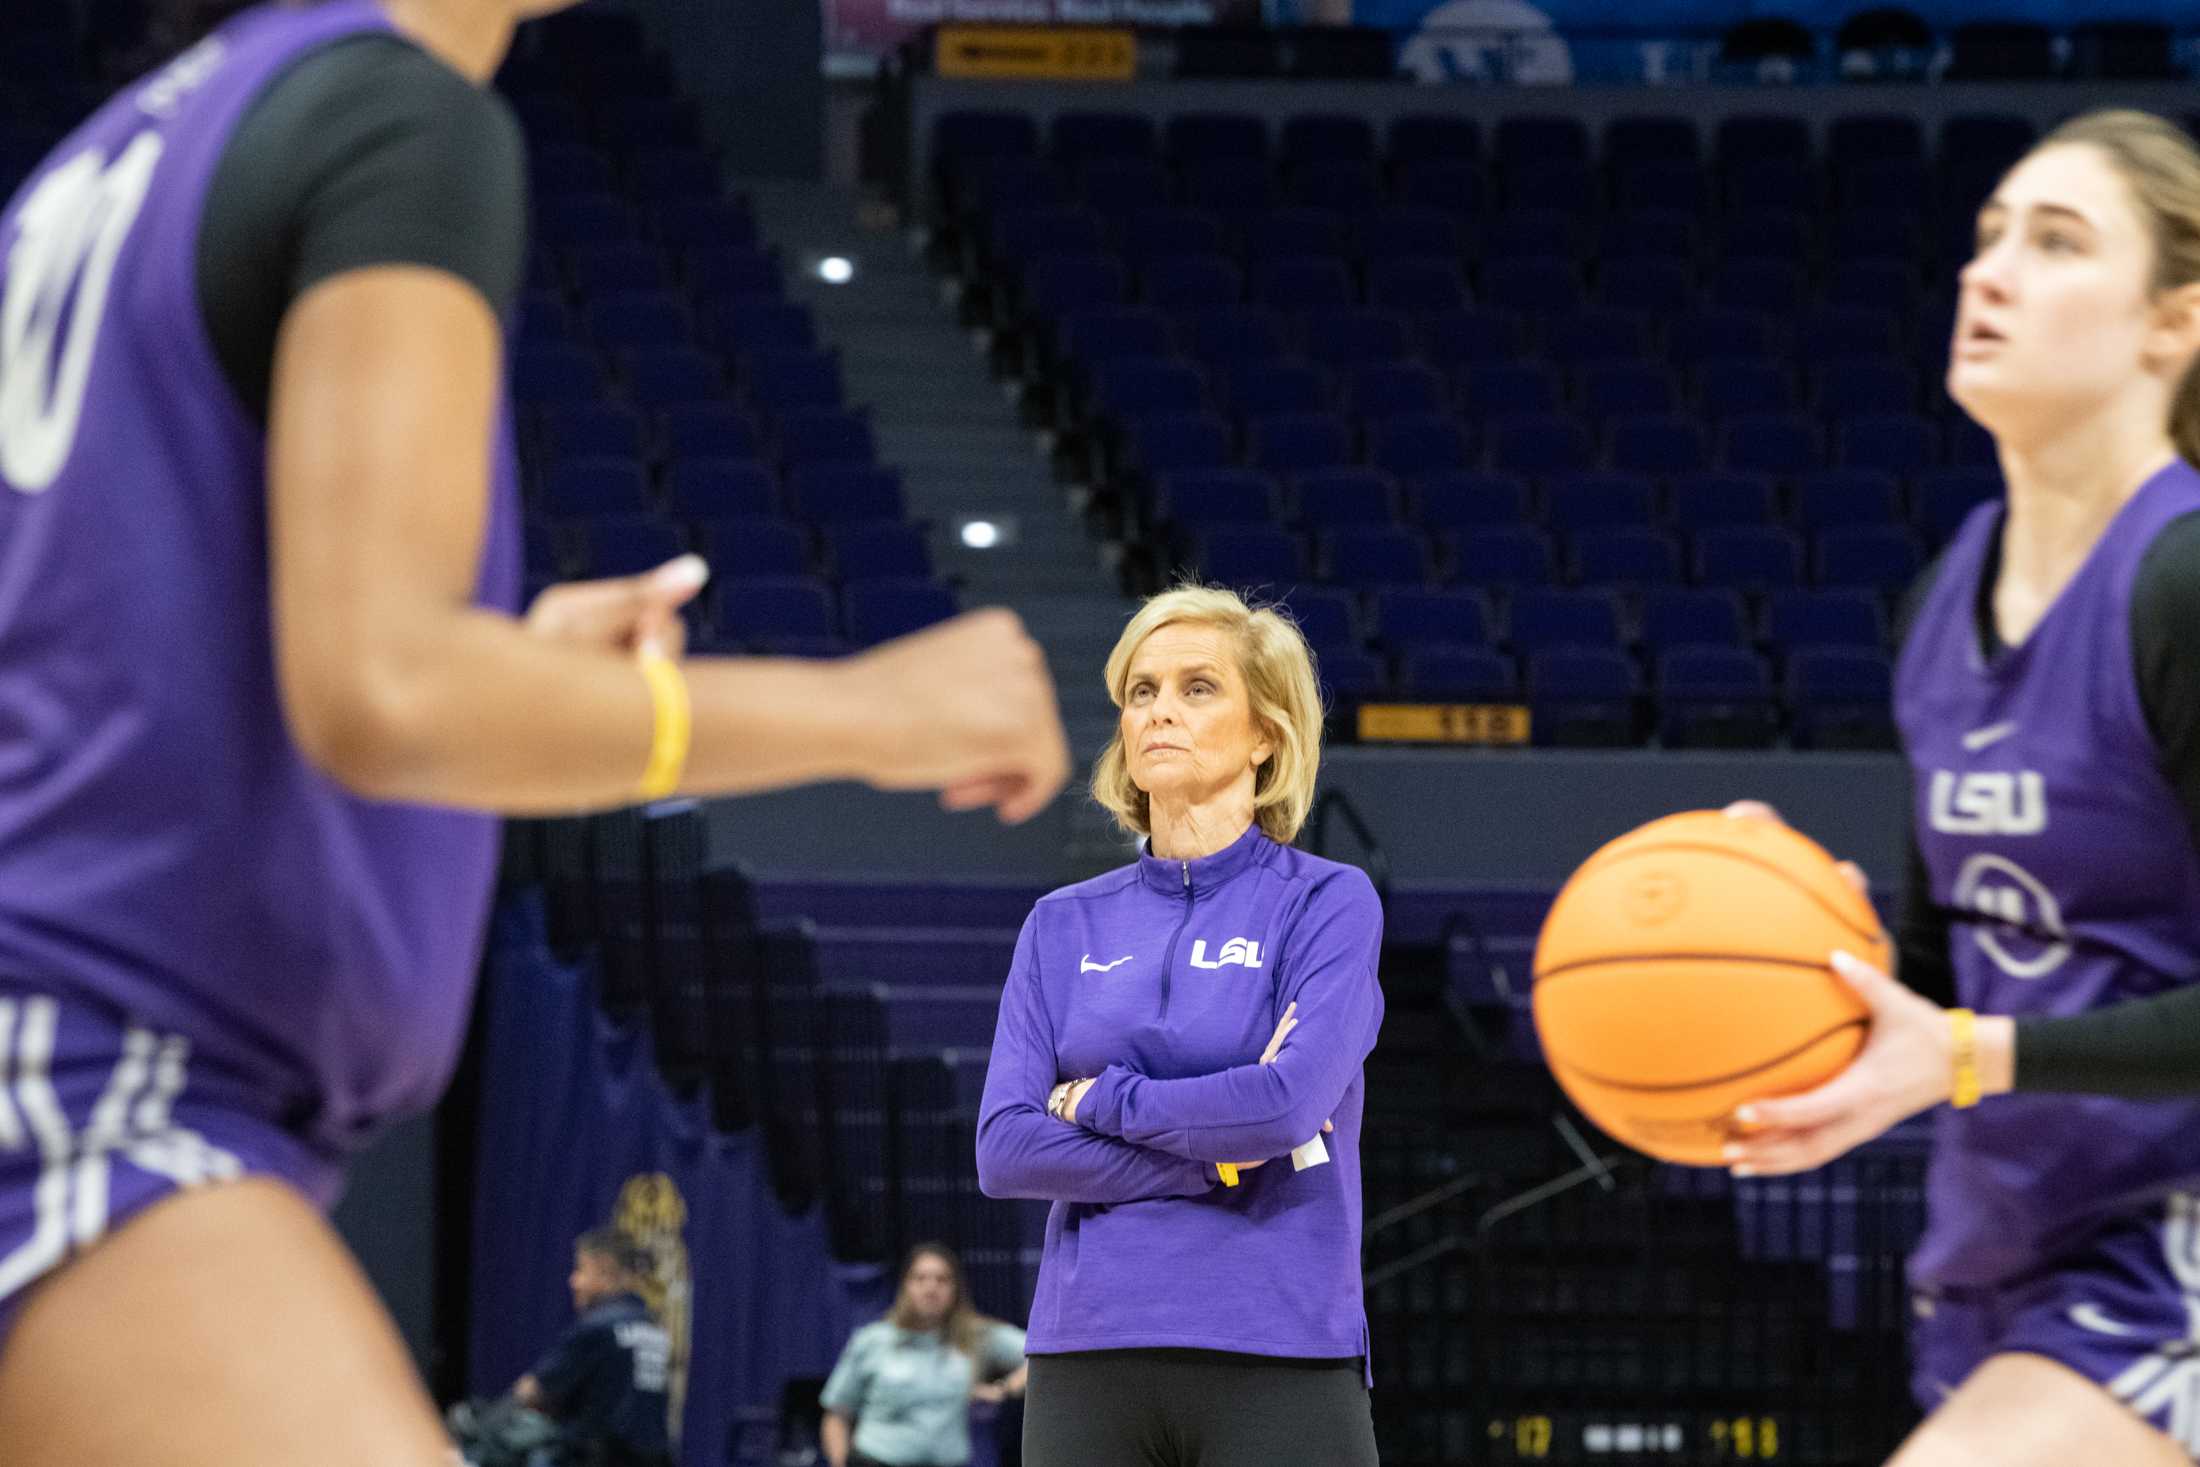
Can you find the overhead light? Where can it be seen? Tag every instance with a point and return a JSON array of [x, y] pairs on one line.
[[981, 534], [836, 269]]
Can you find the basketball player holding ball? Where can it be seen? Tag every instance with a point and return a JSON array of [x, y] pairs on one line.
[[262, 694], [2049, 704]]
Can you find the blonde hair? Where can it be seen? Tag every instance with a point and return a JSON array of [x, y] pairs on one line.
[[2159, 163], [1278, 669]]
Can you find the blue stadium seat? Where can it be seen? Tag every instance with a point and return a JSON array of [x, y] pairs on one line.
[[1764, 286], [1543, 619], [1412, 233], [1130, 387], [1502, 556], [992, 185], [664, 174], [1772, 443], [1898, 443], [745, 326], [1891, 236], [1026, 233], [705, 430], [767, 610], [545, 374], [567, 168], [1645, 287], [1418, 135], [1226, 334], [1408, 618], [1174, 442], [702, 488], [1251, 557], [1782, 236], [1840, 699], [1658, 446], [1327, 137], [730, 272], [1720, 500], [1467, 500], [1882, 558], [1580, 696], [1539, 139], [1770, 184], [1387, 389], [810, 437], [1944, 497], [1077, 136], [878, 611], [541, 319], [1354, 337], [1535, 284], [1664, 236], [1866, 138], [1413, 445], [1556, 187], [1088, 338], [580, 223], [647, 121], [1575, 502], [625, 545], [1326, 617], [1632, 140], [583, 429], [1117, 186], [977, 133], [830, 493], [1729, 387], [1409, 284], [1349, 677], [1057, 284], [606, 269], [1855, 386], [705, 223], [1156, 234], [1509, 390], [1882, 286], [630, 318], [1458, 675], [1232, 186], [1758, 560], [1835, 499], [746, 546], [1203, 498], [1480, 335], [1595, 334], [1892, 184], [1173, 282], [1190, 135], [1626, 559], [1715, 697], [877, 550], [1680, 617], [1452, 185], [1370, 556], [1677, 186], [661, 376], [1799, 619], [1348, 187], [1296, 233], [1699, 336], [1288, 443], [1550, 444], [1755, 136], [1330, 499], [1256, 388]]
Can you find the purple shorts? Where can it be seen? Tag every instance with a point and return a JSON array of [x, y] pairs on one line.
[[2123, 1311], [101, 1118]]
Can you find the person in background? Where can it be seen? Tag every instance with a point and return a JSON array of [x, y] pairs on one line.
[[604, 1382], [900, 1395]]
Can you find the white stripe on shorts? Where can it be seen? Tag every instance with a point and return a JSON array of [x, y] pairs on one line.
[[158, 1145], [11, 1126], [37, 1021], [105, 1131]]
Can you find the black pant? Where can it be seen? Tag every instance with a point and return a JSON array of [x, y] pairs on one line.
[[1195, 1408]]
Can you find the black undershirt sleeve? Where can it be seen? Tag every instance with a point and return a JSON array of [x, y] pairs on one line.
[[2146, 1048], [1921, 928], [367, 152]]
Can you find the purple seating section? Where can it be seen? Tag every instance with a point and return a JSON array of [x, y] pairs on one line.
[[1649, 370]]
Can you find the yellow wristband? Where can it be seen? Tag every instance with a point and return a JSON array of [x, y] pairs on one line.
[[1227, 1170], [1963, 1035], [675, 726]]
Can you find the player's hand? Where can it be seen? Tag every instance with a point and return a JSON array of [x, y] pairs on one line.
[[1284, 1026], [990, 1392], [625, 613], [1907, 1065], [966, 708]]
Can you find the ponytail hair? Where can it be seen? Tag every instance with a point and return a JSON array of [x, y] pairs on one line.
[[2158, 161]]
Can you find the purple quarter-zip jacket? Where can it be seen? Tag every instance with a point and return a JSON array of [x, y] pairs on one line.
[[1164, 980]]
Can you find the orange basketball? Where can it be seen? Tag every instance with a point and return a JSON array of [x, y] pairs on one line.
[[1683, 971]]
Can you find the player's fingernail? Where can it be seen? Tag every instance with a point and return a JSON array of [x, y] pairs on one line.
[[1747, 1115], [685, 573], [1731, 1153], [1745, 1170], [1845, 963]]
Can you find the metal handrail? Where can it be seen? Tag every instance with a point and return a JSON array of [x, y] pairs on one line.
[[1378, 859]]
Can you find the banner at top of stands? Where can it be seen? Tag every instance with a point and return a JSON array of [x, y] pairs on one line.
[[1528, 41]]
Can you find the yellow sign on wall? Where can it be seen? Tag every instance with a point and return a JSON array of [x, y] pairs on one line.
[[1442, 723], [1035, 53]]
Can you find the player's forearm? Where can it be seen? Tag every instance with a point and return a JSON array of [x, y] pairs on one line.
[[482, 714], [834, 1436]]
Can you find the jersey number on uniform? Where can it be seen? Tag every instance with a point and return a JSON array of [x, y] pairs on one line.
[[69, 234]]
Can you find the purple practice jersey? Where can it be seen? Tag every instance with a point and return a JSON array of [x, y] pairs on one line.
[[166, 852], [2048, 827]]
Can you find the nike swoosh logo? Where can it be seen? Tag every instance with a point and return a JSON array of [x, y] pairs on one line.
[[1087, 965], [2090, 1317], [1993, 733]]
